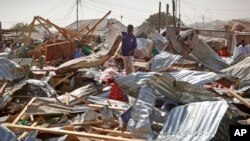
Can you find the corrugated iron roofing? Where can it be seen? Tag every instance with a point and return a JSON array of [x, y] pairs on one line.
[[193, 122], [196, 77], [163, 60], [240, 70], [182, 92], [9, 70], [81, 92], [203, 54], [140, 123]]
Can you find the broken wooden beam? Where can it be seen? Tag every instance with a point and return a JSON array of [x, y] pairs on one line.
[[244, 101], [121, 133], [23, 111], [80, 134]]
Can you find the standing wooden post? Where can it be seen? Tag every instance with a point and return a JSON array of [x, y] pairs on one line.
[[167, 15], [174, 15], [1, 31], [159, 20]]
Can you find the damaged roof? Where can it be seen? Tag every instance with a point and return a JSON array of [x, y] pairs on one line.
[[193, 122], [9, 70]]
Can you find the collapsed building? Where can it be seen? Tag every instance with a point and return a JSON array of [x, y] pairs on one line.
[[181, 90]]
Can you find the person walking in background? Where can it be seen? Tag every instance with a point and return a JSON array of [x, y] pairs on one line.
[[129, 45]]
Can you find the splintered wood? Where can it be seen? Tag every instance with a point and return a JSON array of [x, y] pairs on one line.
[[93, 128]]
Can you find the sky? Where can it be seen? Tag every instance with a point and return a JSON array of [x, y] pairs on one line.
[[63, 12]]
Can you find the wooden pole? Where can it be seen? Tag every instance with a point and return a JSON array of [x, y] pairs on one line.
[[23, 111], [174, 21], [81, 134], [167, 15], [244, 101], [1, 38], [3, 88], [159, 20]]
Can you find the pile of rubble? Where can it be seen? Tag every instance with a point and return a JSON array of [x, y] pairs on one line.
[[181, 91]]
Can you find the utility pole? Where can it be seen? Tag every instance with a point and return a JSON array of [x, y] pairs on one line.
[[203, 19], [174, 14], [1, 31], [159, 20], [179, 23], [167, 14], [77, 3]]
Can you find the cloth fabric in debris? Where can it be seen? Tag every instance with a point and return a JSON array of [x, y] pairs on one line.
[[195, 121], [9, 70], [140, 123], [116, 93]]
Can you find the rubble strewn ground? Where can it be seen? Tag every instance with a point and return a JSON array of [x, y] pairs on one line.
[[73, 87]]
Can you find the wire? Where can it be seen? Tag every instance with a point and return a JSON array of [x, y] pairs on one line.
[[69, 12]]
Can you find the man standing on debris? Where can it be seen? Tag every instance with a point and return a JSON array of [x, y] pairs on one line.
[[129, 45]]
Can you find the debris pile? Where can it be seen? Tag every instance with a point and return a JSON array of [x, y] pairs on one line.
[[70, 87]]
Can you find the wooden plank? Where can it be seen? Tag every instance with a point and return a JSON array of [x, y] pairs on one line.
[[81, 134], [94, 27], [23, 111], [80, 99], [244, 101], [57, 44], [87, 123], [101, 106], [66, 77], [24, 134], [46, 28], [121, 133], [3, 87]]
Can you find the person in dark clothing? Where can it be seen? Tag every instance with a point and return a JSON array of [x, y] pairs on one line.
[[129, 45]]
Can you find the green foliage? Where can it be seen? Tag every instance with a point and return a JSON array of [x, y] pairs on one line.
[[22, 27], [154, 19]]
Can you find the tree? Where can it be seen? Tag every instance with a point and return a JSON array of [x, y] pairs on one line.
[[22, 27], [154, 19]]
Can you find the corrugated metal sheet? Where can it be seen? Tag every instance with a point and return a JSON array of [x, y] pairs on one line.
[[140, 123], [240, 70], [132, 82], [9, 70], [106, 101], [193, 122], [6, 134], [163, 60], [35, 87], [196, 77], [81, 92], [4, 55], [203, 54], [182, 92]]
